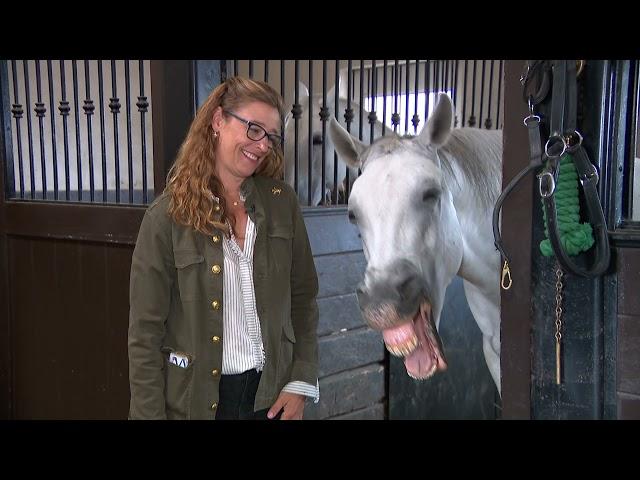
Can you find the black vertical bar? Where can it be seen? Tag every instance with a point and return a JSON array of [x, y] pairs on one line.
[[427, 89], [455, 93], [250, 68], [384, 97], [361, 98], [88, 110], [142, 108], [64, 111], [436, 76], [17, 112], [500, 73], [235, 68], [310, 138], [395, 118], [6, 140], [472, 118], [336, 112], [127, 90], [74, 68], [114, 105], [445, 76], [52, 116], [324, 118], [25, 69], [416, 119], [40, 113], [487, 123], [406, 96], [373, 96], [296, 116], [102, 132], [482, 93], [266, 70], [464, 95], [348, 116]]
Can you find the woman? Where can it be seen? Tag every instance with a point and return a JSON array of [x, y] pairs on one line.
[[223, 311]]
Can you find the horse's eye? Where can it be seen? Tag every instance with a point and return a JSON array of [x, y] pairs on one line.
[[430, 194], [352, 216]]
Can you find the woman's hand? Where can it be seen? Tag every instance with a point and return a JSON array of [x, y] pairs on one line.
[[292, 403]]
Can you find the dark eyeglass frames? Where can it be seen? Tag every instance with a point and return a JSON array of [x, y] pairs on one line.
[[256, 132]]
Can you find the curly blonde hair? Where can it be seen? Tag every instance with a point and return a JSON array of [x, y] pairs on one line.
[[191, 181]]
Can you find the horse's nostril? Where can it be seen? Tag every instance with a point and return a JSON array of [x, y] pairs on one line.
[[408, 288]]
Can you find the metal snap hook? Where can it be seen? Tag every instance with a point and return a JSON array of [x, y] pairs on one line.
[[572, 147]]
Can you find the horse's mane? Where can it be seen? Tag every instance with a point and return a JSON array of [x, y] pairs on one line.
[[477, 154]]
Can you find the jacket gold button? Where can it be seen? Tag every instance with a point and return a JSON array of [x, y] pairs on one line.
[[214, 406], [215, 304], [214, 372], [216, 269], [215, 238], [215, 339]]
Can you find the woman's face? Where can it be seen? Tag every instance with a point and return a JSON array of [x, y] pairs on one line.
[[237, 154]]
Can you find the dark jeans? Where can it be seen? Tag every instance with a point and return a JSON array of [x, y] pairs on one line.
[[237, 396]]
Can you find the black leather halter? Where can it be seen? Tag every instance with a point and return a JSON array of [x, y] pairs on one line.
[[563, 138]]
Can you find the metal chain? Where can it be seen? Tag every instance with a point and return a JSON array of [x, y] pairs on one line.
[[559, 285]]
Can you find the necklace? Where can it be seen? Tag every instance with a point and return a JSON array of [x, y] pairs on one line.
[[240, 200]]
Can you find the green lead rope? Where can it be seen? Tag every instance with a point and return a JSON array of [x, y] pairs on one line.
[[575, 237]]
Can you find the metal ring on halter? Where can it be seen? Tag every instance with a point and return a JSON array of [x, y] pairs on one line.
[[552, 184], [530, 117], [564, 146], [573, 147]]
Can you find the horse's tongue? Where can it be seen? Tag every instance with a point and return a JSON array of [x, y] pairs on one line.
[[428, 358], [399, 335]]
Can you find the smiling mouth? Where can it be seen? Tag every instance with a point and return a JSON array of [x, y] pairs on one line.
[[251, 156], [418, 342]]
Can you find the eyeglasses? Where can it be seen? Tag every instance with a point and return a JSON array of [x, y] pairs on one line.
[[256, 132]]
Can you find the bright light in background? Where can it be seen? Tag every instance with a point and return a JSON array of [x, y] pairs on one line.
[[402, 106]]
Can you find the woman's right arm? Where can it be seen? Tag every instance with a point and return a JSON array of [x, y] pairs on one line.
[[152, 271]]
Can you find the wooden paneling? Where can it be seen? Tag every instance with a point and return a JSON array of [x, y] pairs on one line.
[[338, 314], [629, 354], [339, 274], [348, 391], [70, 315], [515, 359], [628, 407], [628, 281], [349, 350]]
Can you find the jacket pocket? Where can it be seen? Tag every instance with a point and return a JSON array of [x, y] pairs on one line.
[[188, 263], [287, 329], [281, 231], [178, 382], [280, 245]]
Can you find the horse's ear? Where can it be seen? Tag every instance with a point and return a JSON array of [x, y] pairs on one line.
[[303, 91], [348, 147], [436, 131]]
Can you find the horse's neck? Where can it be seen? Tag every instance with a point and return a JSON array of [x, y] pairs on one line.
[[480, 261]]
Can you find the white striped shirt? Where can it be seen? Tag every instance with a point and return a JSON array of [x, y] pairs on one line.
[[243, 348]]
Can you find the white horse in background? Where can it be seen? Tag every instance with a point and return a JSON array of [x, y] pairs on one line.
[[320, 191], [423, 206]]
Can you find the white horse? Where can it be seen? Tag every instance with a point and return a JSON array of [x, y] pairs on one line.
[[423, 206], [319, 194]]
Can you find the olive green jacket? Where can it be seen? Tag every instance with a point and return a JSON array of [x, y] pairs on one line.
[[176, 306]]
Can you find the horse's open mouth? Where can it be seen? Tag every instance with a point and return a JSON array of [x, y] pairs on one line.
[[419, 343]]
